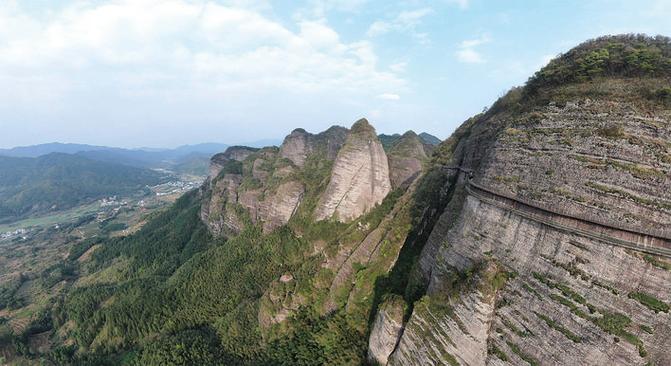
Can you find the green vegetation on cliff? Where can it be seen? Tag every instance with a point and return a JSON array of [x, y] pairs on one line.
[[619, 56]]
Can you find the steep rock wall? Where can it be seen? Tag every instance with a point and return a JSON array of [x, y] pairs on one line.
[[360, 176], [406, 158], [571, 298]]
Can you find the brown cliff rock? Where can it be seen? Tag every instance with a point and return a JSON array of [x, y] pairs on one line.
[[360, 176], [406, 157]]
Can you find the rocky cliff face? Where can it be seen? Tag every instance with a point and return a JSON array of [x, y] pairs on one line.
[[556, 202], [236, 153], [360, 176], [266, 186], [257, 189], [406, 158]]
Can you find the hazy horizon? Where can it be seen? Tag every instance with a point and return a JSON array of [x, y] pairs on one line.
[[150, 73]]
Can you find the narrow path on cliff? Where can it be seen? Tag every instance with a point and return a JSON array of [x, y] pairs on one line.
[[645, 241]]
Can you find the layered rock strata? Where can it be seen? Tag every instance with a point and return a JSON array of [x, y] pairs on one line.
[[360, 176]]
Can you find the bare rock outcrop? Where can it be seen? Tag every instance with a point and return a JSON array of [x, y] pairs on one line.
[[360, 176], [296, 146], [573, 171], [386, 331], [406, 157], [331, 141], [237, 153], [271, 205], [263, 182], [277, 209], [218, 194], [300, 144]]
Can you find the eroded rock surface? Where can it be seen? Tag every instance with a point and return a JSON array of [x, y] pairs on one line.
[[360, 176], [406, 157], [263, 185], [597, 153], [237, 153], [296, 146], [386, 330]]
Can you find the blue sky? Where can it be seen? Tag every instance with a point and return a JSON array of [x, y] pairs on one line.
[[162, 73]]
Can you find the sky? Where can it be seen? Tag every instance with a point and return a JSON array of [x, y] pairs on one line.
[[162, 73]]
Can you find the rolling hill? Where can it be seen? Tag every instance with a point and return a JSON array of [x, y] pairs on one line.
[[58, 181]]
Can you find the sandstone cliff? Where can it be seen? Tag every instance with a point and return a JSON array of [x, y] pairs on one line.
[[360, 176], [264, 186], [406, 158], [236, 153], [553, 208]]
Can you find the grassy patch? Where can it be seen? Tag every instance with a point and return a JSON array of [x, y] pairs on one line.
[[514, 329], [656, 262], [605, 286], [496, 351], [645, 328], [532, 290], [638, 199], [558, 327], [612, 132], [516, 350], [650, 301]]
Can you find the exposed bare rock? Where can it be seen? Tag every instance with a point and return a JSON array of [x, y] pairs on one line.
[[286, 278], [237, 153], [611, 170], [386, 330], [279, 302], [459, 330], [360, 176], [406, 157], [299, 144], [361, 254], [559, 274], [566, 190], [268, 195], [277, 209], [569, 289], [296, 146], [258, 170], [332, 140], [213, 211]]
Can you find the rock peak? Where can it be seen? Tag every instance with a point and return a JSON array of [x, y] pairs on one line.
[[362, 125], [360, 176], [296, 146], [299, 131], [409, 133]]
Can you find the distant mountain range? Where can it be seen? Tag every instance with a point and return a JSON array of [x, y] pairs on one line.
[[188, 159], [59, 181], [191, 159], [34, 151]]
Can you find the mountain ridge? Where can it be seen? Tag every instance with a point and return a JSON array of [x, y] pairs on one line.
[[275, 261]]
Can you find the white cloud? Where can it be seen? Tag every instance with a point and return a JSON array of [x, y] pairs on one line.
[[413, 17], [398, 67], [389, 96], [469, 56], [406, 21], [321, 8], [460, 3], [467, 52], [176, 48], [378, 28]]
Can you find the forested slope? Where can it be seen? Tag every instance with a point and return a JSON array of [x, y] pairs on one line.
[[59, 181]]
